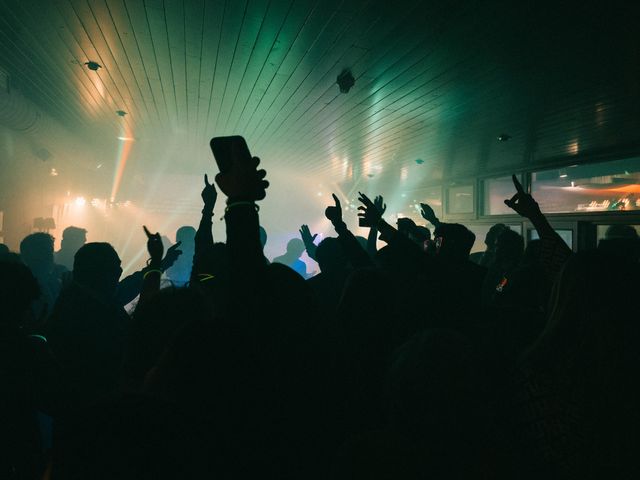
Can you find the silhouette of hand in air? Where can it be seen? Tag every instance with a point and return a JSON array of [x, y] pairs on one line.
[[380, 205], [154, 245], [243, 181], [522, 202], [334, 213], [209, 193], [370, 214], [428, 214], [306, 236], [173, 253]]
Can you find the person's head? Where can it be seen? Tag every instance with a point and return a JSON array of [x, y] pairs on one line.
[[73, 238], [330, 255], [97, 266], [405, 225], [621, 241], [424, 234], [18, 289], [36, 251], [3, 249], [509, 248], [454, 241], [492, 235], [186, 235], [295, 247], [263, 236], [621, 231]]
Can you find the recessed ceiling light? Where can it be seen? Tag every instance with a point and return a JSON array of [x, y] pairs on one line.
[[504, 137]]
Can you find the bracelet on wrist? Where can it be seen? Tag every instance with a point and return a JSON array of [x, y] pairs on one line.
[[153, 270]]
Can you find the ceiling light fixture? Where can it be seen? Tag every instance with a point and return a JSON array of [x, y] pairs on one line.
[[94, 66], [504, 137], [345, 80], [121, 113]]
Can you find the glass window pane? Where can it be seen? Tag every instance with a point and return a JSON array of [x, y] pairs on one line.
[[607, 186], [460, 199], [565, 234], [496, 190]]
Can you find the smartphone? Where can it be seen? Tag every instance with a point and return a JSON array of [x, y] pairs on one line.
[[227, 149]]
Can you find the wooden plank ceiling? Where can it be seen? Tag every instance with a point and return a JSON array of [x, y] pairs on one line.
[[435, 80]]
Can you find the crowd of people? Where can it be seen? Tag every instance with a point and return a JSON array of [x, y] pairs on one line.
[[414, 361]]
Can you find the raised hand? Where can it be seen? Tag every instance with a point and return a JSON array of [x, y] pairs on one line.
[[380, 205], [334, 213], [522, 202], [306, 236], [428, 214], [369, 214], [173, 253], [209, 193], [154, 245], [243, 181]]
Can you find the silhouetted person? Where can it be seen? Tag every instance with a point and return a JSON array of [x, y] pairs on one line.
[[3, 249], [180, 272], [622, 241], [509, 247], [334, 269], [291, 258], [29, 379], [88, 327], [72, 239], [487, 257], [36, 251]]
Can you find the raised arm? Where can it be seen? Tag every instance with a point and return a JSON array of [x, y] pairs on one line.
[[243, 185], [308, 239], [371, 216], [358, 257], [554, 251], [373, 230], [429, 215], [204, 235], [131, 286], [151, 278]]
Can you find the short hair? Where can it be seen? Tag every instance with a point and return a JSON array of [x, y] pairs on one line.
[[621, 231], [94, 258], [184, 232], [73, 232], [295, 245], [32, 247], [18, 288]]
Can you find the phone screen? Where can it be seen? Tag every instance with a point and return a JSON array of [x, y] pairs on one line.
[[227, 149]]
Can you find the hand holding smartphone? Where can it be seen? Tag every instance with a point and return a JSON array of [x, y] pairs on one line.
[[239, 178]]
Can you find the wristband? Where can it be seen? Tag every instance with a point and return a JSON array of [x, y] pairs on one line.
[[144, 277], [204, 277]]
